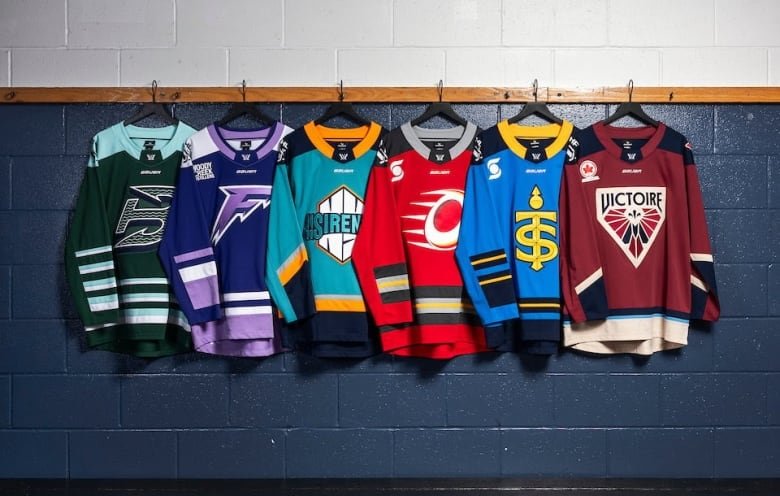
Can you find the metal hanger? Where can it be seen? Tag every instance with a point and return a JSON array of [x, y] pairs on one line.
[[243, 108], [631, 109], [342, 108], [439, 108], [152, 109], [536, 108]]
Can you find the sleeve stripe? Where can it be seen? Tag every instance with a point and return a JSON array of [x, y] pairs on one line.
[[388, 282], [196, 272], [396, 296], [100, 303], [96, 267], [698, 283], [395, 286], [495, 279], [588, 281], [186, 257], [488, 258], [701, 257], [292, 265], [93, 251], [390, 270], [99, 284]]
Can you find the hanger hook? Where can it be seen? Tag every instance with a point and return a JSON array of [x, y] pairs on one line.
[[243, 90], [341, 90], [536, 90], [630, 89], [440, 89], [154, 91]]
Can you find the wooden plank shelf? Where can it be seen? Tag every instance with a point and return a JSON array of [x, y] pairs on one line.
[[366, 94]]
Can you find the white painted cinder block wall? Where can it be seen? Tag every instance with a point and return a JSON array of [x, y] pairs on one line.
[[566, 43]]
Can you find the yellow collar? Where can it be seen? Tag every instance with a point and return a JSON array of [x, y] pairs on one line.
[[510, 133]]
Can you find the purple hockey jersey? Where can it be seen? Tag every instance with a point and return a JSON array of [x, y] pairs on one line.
[[214, 247]]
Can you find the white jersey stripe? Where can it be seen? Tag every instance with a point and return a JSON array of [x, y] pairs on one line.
[[246, 296], [234, 311], [200, 271], [93, 251]]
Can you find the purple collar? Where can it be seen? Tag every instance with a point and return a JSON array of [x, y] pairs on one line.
[[272, 134]]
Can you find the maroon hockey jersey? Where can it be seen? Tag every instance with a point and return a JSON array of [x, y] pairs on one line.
[[636, 263]]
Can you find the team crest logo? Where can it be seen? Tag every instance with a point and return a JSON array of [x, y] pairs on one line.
[[589, 171], [240, 202], [335, 224], [437, 225], [536, 233], [142, 221], [632, 217]]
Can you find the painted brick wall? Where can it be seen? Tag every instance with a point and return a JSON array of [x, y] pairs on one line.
[[565, 43], [712, 409]]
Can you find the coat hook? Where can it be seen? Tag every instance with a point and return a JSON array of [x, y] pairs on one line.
[[10, 95], [341, 90], [154, 91], [630, 90], [536, 90], [243, 90], [440, 89]]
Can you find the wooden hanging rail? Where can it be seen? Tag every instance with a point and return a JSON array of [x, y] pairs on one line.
[[682, 94]]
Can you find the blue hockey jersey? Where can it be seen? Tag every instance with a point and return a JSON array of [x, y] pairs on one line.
[[214, 248], [508, 244]]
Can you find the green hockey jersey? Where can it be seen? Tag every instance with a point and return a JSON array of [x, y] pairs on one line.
[[116, 279], [316, 208]]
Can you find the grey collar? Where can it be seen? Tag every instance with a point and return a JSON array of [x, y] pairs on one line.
[[415, 134]]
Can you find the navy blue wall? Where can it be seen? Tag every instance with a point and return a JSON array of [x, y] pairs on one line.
[[712, 409]]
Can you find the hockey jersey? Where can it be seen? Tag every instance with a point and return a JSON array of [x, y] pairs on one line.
[[508, 248], [404, 251], [214, 248], [636, 264], [319, 190], [115, 277]]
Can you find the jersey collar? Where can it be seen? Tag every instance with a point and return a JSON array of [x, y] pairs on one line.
[[510, 133], [271, 135], [175, 134], [415, 134], [319, 134], [607, 134]]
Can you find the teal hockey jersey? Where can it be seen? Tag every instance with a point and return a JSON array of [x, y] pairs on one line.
[[508, 243], [319, 189]]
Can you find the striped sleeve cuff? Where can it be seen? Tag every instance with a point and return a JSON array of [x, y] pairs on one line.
[[392, 281]]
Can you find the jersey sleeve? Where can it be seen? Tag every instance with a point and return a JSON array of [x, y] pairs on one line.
[[288, 274], [582, 280], [484, 262], [186, 251], [704, 292], [378, 254], [89, 254]]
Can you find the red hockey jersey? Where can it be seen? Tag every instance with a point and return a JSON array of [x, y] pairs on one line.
[[404, 253], [636, 263]]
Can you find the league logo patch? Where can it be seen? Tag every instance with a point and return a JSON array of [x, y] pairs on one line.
[[632, 217], [437, 225], [396, 170], [335, 224], [589, 171]]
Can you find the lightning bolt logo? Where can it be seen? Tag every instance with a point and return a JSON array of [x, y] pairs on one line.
[[239, 203]]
